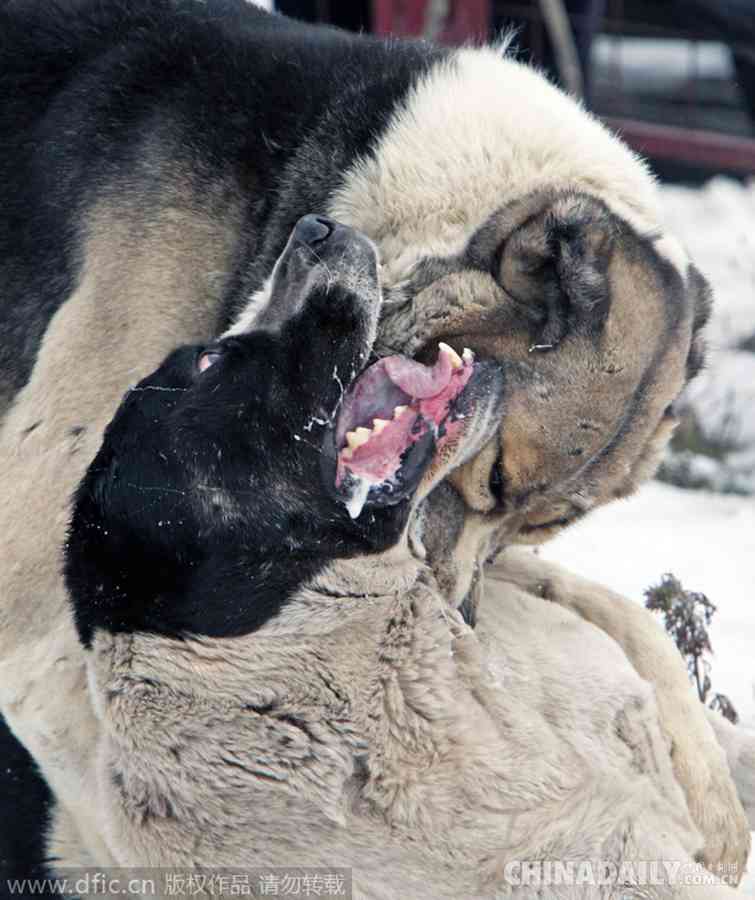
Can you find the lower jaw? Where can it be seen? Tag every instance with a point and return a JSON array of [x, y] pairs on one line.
[[401, 485]]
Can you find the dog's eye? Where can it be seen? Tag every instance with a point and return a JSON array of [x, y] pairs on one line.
[[207, 358]]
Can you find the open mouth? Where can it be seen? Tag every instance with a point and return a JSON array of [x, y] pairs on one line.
[[391, 420]]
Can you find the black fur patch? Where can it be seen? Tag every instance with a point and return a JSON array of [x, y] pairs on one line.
[[468, 610], [278, 108], [25, 803], [210, 500], [703, 300]]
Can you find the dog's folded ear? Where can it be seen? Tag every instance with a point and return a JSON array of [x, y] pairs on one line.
[[555, 265]]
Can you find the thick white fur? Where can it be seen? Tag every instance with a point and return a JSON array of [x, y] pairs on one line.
[[479, 748], [739, 745], [507, 132]]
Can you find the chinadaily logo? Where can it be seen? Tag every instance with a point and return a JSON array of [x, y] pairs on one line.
[[605, 873]]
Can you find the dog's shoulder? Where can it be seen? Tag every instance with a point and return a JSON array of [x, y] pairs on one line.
[[143, 112]]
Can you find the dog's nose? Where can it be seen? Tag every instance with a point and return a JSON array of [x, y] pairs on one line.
[[314, 230]]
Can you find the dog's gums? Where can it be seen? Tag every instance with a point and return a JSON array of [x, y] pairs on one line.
[[395, 404]]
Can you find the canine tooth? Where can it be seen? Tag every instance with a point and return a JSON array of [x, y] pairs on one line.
[[355, 504], [358, 437], [452, 354], [399, 411], [347, 453], [467, 355], [378, 425], [353, 441]]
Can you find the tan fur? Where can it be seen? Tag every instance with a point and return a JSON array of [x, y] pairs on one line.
[[566, 406], [412, 202], [113, 330]]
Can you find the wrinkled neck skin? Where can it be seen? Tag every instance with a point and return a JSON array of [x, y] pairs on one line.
[[445, 545]]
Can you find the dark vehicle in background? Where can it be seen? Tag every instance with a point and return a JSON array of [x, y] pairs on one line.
[[675, 77]]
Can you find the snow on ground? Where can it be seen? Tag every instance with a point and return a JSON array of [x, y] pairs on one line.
[[706, 539], [717, 225], [725, 392]]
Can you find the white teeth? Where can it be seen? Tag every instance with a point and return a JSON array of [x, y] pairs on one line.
[[456, 361], [467, 355], [358, 437]]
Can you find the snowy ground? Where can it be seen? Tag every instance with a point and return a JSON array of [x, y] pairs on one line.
[[706, 539], [717, 225]]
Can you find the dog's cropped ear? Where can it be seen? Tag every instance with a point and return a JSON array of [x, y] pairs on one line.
[[555, 266]]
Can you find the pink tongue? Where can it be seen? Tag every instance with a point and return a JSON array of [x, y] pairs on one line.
[[416, 380]]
